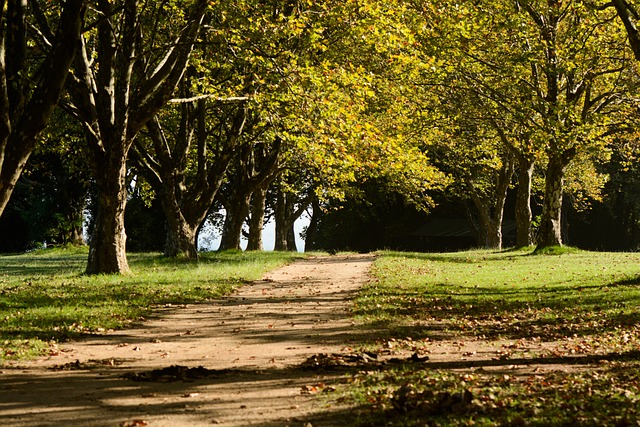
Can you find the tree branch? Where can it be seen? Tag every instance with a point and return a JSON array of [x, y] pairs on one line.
[[225, 100], [625, 11]]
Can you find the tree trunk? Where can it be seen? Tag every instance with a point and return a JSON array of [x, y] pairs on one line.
[[107, 252], [550, 232], [237, 211], [10, 171], [494, 234], [187, 197], [256, 223], [181, 243], [72, 231], [523, 214], [291, 238], [312, 228], [75, 236], [489, 230], [491, 211], [114, 99], [284, 224], [181, 235]]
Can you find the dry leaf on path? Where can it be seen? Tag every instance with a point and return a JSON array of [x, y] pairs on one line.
[[191, 394]]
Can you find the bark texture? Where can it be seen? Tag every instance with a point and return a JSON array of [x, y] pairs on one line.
[[256, 221], [550, 232], [256, 167], [523, 215], [490, 207], [284, 216], [107, 248], [237, 210], [289, 208]]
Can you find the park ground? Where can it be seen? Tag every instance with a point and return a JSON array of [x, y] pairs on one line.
[[476, 338]]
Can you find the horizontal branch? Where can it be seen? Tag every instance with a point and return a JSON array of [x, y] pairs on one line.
[[215, 98]]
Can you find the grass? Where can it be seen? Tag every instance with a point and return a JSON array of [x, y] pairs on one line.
[[582, 309], [45, 297]]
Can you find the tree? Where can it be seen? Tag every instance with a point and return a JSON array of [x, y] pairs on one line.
[[186, 163], [130, 64], [312, 86], [292, 199], [33, 71], [539, 68], [254, 168], [575, 88]]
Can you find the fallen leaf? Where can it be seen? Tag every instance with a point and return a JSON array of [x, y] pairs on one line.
[[133, 423], [308, 389], [191, 394]]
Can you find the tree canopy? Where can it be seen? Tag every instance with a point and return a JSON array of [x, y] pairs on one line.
[[268, 107]]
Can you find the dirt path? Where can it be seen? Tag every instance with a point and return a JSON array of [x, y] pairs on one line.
[[250, 343]]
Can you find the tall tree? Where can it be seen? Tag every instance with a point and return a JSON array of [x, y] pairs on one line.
[[33, 71], [130, 64], [186, 161], [539, 67], [575, 88]]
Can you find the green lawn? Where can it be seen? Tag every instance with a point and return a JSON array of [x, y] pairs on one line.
[[583, 305], [45, 297]]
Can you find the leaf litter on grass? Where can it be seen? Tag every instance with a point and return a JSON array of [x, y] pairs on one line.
[[513, 339]]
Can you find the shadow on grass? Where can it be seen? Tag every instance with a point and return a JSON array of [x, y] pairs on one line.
[[60, 314], [43, 294], [496, 395], [25, 266], [513, 313]]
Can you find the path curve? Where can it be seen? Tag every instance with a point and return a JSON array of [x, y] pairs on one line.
[[259, 335]]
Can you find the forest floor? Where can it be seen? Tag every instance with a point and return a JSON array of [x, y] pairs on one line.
[[237, 361]]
